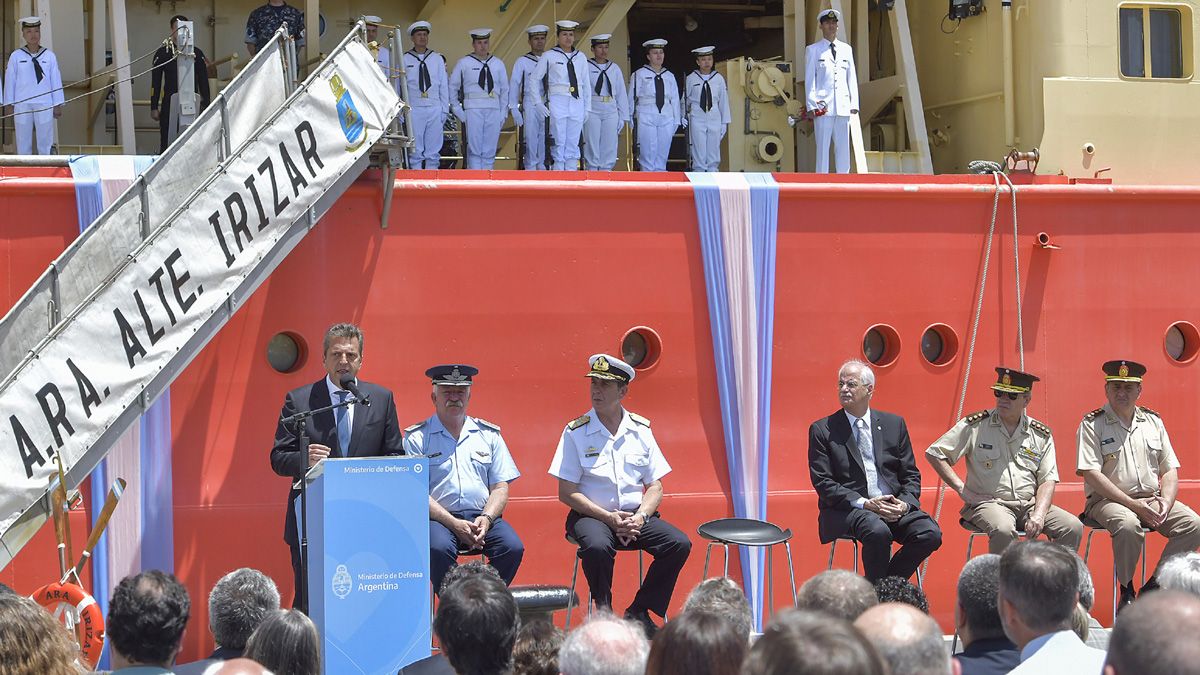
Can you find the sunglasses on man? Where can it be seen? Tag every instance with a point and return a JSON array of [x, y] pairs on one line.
[[1012, 395]]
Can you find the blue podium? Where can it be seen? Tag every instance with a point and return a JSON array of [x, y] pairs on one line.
[[368, 560]]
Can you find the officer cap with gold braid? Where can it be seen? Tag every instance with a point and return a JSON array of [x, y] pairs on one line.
[[605, 367], [1013, 381], [453, 374], [1123, 371]]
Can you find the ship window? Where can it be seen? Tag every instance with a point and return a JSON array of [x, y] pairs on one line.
[[939, 344], [641, 347], [1165, 46], [286, 352], [881, 345], [1182, 341]]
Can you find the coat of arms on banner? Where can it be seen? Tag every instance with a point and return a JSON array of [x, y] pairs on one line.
[[348, 115], [342, 583]]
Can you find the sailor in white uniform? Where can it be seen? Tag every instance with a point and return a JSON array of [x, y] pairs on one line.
[[655, 109], [562, 75], [33, 88], [610, 108], [707, 103], [831, 86], [526, 107], [478, 94], [383, 57], [428, 96]]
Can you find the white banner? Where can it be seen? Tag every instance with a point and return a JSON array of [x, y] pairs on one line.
[[135, 331]]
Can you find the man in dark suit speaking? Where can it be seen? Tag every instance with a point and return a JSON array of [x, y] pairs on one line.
[[353, 431], [868, 486]]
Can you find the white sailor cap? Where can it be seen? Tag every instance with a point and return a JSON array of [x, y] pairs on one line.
[[829, 14], [565, 24], [601, 39], [537, 29], [704, 51], [31, 22], [481, 33], [372, 20], [605, 367], [419, 25], [656, 43]]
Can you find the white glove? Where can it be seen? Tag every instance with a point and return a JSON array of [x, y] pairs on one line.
[[683, 123], [724, 130], [459, 113], [543, 110], [516, 115]]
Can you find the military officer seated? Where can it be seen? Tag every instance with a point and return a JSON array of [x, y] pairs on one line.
[[469, 472], [1131, 476], [1011, 468], [609, 470]]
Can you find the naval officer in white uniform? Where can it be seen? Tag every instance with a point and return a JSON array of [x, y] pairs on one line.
[[478, 94], [610, 108], [706, 98], [428, 96], [526, 107], [562, 76], [383, 57], [655, 109], [33, 90], [831, 93]]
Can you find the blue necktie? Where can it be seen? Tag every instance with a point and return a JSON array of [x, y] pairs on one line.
[[343, 424], [862, 435]]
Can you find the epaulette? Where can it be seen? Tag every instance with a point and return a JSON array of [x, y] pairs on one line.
[[578, 422], [979, 416], [639, 419], [1147, 410], [414, 427], [487, 424], [1095, 413], [1038, 426]]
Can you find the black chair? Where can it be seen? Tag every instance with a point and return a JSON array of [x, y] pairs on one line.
[[749, 532], [573, 599], [852, 540], [1094, 526]]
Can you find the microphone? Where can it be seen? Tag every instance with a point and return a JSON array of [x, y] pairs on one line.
[[349, 385]]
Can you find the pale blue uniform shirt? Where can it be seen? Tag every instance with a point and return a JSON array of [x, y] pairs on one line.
[[461, 472], [610, 469]]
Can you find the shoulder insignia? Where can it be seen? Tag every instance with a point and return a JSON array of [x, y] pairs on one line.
[[486, 424], [578, 422], [1147, 410], [1039, 427], [1094, 414], [639, 419], [418, 425], [978, 417]]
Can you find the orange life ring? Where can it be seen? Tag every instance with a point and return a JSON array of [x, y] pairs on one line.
[[78, 610]]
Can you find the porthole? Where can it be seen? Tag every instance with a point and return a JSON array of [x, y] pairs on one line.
[[286, 352], [1182, 341], [641, 347], [881, 345], [939, 344]]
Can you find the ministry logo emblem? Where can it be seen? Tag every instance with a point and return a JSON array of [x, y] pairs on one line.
[[342, 583]]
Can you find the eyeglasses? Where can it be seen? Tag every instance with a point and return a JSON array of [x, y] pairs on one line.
[[848, 384], [1012, 395]]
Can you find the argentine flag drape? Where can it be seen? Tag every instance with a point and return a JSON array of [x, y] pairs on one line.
[[738, 215], [140, 535]]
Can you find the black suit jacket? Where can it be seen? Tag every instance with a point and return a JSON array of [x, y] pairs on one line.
[[376, 432], [835, 465]]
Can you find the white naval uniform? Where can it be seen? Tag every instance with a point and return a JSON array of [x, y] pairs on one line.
[[383, 59], [610, 469], [528, 112], [706, 129], [568, 109], [428, 108], [610, 108], [834, 82], [655, 127], [481, 110], [33, 101]]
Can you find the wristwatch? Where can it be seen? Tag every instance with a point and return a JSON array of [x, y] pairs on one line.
[[491, 520]]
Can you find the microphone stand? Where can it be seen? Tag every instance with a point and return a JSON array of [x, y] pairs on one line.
[[298, 423]]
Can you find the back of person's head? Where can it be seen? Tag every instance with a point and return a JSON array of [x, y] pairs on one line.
[[1040, 581], [801, 642], [1156, 634], [907, 639], [535, 651], [459, 572], [240, 666], [604, 645], [1180, 573], [723, 597], [697, 643], [238, 603], [477, 623], [286, 642], [838, 592], [899, 589], [31, 641], [978, 584], [1087, 589], [146, 618]]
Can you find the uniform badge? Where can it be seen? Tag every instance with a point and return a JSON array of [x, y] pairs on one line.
[[1123, 371], [1110, 456], [1006, 380], [1107, 441], [436, 454], [601, 365], [592, 452], [986, 446], [987, 465], [351, 120]]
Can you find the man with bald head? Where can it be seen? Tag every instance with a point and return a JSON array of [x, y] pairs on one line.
[[908, 639], [239, 667], [838, 592], [1156, 634]]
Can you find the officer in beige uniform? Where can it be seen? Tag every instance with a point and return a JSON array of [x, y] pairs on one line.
[[1011, 469], [1131, 476]]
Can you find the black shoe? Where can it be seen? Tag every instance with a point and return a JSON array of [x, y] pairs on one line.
[[1150, 585], [642, 617], [1127, 597]]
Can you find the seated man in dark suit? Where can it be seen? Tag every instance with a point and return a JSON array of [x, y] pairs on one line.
[[868, 486]]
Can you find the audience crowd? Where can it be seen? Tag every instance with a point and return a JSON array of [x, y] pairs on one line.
[[1024, 611]]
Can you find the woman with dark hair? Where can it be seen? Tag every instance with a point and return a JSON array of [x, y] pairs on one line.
[[697, 643], [286, 643], [536, 650], [32, 642]]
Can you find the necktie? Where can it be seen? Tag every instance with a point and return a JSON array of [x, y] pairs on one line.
[[601, 81], [343, 424], [833, 49], [485, 77], [423, 80], [660, 92], [705, 97], [37, 68], [572, 77], [862, 435]]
